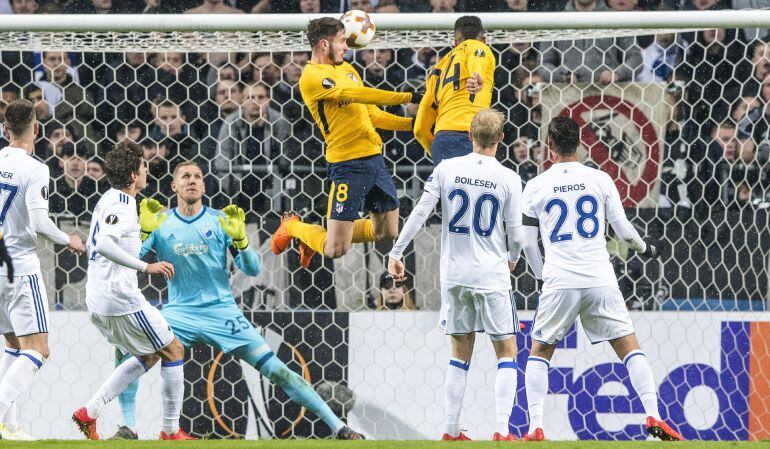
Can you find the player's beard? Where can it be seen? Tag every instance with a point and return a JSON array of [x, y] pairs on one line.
[[332, 58]]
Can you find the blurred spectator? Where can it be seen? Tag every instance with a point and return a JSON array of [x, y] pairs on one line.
[[170, 126], [750, 34], [50, 148], [95, 169], [682, 153], [387, 7], [711, 68], [422, 61], [159, 170], [363, 5], [175, 79], [760, 62], [214, 7], [227, 97], [251, 139], [604, 61], [286, 93], [662, 57], [133, 132], [265, 70], [378, 68], [25, 6], [43, 110], [392, 296], [623, 5], [73, 193], [521, 158], [437, 6], [740, 109], [125, 87], [525, 115], [413, 5], [310, 6], [513, 56], [517, 5], [92, 7]]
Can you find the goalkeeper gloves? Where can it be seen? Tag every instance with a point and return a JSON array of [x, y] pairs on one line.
[[235, 226], [5, 258], [651, 250], [149, 218]]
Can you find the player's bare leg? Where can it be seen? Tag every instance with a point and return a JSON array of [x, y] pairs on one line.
[[385, 225], [505, 385], [639, 371], [536, 381], [454, 384]]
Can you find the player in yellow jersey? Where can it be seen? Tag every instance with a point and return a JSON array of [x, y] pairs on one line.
[[459, 86], [347, 115]]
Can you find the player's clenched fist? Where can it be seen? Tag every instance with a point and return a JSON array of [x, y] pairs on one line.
[[396, 270], [234, 224], [164, 268], [149, 218], [474, 83]]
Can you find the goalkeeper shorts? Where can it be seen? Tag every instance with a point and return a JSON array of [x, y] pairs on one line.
[[220, 325]]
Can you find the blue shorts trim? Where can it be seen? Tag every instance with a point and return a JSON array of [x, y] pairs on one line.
[[449, 144], [174, 363], [359, 186]]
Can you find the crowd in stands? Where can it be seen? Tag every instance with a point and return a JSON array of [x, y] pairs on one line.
[[241, 116]]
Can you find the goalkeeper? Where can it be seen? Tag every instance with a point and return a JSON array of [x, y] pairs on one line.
[[201, 307]]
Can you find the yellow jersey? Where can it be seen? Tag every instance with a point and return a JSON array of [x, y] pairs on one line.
[[447, 105], [345, 110]]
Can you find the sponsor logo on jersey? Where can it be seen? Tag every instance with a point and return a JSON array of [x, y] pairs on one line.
[[44, 192], [171, 237], [190, 249], [111, 219], [207, 232], [328, 83]]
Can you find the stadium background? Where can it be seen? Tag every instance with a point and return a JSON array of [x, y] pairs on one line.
[[240, 116]]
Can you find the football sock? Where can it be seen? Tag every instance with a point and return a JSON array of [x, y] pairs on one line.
[[297, 388], [363, 231], [312, 235], [536, 381], [19, 377], [10, 356], [172, 393], [126, 373], [643, 381], [505, 393], [127, 398], [454, 391]]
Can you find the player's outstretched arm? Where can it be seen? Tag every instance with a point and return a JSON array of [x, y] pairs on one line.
[[234, 225], [616, 217], [386, 120], [5, 259], [425, 120], [318, 88], [42, 224], [107, 246]]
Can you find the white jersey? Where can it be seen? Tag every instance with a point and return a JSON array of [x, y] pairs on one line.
[[479, 199], [113, 289], [573, 202], [23, 187]]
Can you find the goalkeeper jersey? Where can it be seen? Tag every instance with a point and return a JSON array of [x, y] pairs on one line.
[[197, 247], [344, 110]]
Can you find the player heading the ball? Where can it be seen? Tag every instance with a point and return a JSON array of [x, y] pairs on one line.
[[480, 245], [459, 86], [346, 112], [569, 204]]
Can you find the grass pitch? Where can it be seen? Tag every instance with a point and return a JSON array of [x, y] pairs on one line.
[[331, 444]]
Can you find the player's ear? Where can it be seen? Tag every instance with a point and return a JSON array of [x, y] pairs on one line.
[[173, 185]]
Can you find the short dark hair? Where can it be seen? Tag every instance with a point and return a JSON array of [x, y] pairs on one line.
[[323, 28], [124, 159], [565, 135], [19, 116], [468, 27]]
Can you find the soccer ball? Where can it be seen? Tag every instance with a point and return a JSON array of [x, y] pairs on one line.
[[359, 28]]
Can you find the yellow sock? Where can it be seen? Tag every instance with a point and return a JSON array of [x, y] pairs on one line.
[[311, 235], [363, 231]]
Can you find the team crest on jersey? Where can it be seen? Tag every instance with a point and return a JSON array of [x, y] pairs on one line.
[[207, 232], [479, 52], [111, 219], [44, 192], [353, 77], [328, 83]]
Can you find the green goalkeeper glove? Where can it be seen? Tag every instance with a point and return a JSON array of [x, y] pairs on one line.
[[235, 225], [149, 218]]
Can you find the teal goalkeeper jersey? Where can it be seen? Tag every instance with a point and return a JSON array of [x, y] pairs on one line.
[[197, 247]]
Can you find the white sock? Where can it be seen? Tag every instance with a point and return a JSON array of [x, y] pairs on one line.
[[536, 381], [172, 392], [456, 374], [19, 377], [119, 380], [10, 356], [505, 393], [640, 372]]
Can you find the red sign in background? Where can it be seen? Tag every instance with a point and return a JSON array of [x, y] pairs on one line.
[[630, 194]]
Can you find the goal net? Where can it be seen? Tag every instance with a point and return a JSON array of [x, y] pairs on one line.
[[671, 105]]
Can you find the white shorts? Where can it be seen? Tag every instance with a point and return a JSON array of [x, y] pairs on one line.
[[23, 305], [602, 311], [139, 333], [465, 310]]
